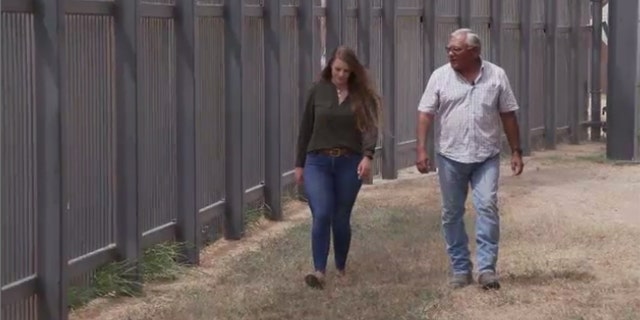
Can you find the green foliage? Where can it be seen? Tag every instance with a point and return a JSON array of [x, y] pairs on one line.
[[254, 213], [159, 263], [116, 279]]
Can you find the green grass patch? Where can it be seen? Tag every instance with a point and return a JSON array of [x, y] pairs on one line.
[[255, 212], [160, 262], [115, 279]]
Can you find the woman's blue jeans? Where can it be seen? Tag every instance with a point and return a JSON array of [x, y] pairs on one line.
[[332, 186]]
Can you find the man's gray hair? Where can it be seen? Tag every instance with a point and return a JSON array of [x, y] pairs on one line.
[[471, 38]]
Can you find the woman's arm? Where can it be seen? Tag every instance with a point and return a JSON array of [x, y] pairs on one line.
[[370, 137], [306, 129]]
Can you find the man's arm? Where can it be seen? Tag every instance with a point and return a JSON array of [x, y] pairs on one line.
[[511, 129], [425, 120], [508, 107], [427, 107]]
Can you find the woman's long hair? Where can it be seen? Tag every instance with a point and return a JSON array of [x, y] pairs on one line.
[[366, 101]]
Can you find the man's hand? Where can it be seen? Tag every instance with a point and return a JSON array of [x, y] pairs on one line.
[[510, 124], [422, 158], [422, 161], [517, 165]]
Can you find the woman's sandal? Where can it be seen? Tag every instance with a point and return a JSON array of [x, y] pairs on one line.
[[342, 277], [315, 280]]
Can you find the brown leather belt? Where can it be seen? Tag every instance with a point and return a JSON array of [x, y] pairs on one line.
[[335, 152]]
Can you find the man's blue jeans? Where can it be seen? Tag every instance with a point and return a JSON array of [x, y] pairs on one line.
[[455, 178], [332, 185]]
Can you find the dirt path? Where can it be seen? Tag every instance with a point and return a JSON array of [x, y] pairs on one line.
[[569, 251]]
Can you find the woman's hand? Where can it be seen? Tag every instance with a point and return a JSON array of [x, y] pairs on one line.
[[364, 168], [298, 175]]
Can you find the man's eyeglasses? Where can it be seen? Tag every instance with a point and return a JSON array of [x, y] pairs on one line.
[[456, 50]]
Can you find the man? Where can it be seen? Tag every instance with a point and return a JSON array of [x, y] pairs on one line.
[[473, 99]]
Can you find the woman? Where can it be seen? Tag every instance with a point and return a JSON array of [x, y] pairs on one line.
[[336, 143]]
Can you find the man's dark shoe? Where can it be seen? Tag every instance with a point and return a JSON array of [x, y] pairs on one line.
[[489, 281], [460, 280]]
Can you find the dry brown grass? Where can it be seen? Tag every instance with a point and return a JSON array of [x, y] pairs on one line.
[[569, 251]]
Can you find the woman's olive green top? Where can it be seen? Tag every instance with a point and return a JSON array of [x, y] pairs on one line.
[[326, 124]]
